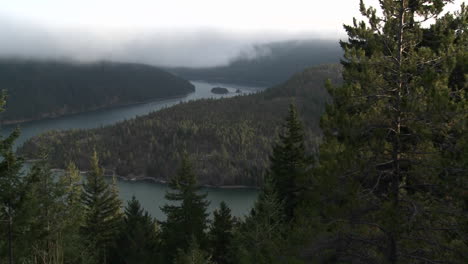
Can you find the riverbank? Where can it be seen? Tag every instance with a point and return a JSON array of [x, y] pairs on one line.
[[153, 180], [51, 116]]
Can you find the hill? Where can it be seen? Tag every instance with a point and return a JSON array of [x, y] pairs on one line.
[[268, 64], [230, 139], [44, 89]]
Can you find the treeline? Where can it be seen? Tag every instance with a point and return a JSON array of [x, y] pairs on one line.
[[64, 218], [228, 138], [268, 64], [388, 184], [42, 89]]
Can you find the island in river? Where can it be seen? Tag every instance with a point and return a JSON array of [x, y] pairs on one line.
[[230, 139], [219, 90]]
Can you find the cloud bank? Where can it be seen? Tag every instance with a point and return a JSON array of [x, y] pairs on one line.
[[191, 48]]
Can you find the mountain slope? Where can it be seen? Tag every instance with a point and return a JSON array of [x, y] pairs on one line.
[[41, 89], [268, 64], [228, 139]]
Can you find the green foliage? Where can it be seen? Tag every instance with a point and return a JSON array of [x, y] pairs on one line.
[[40, 214], [186, 215], [47, 205], [42, 89], [229, 138], [193, 255], [290, 164], [138, 241], [386, 190], [221, 235], [13, 198], [102, 213], [259, 238]]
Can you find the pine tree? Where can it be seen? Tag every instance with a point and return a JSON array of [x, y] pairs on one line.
[[382, 184], [13, 193], [186, 215], [73, 214], [221, 234], [47, 204], [102, 215], [138, 240], [260, 238], [193, 255], [290, 163]]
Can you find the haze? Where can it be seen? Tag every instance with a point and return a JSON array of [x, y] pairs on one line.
[[167, 33]]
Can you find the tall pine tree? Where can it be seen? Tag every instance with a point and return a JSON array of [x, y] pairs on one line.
[[14, 218], [383, 184], [138, 242], [186, 215], [103, 216], [47, 202], [260, 238], [290, 164], [221, 234]]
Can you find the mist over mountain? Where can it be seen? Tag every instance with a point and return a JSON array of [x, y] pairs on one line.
[[268, 64], [158, 47]]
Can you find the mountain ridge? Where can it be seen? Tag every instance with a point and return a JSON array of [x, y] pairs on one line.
[[229, 138], [39, 89], [267, 64]]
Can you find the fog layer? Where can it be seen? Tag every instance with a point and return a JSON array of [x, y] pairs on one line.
[[192, 48]]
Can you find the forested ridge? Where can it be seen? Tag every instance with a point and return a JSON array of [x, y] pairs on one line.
[[229, 138], [386, 185], [268, 64], [42, 89]]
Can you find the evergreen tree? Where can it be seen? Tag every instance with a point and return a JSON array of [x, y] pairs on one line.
[[102, 213], [290, 163], [71, 181], [221, 234], [138, 240], [383, 183], [13, 195], [260, 239], [186, 215], [193, 255], [47, 203]]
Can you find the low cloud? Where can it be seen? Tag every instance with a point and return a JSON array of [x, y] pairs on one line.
[[192, 48]]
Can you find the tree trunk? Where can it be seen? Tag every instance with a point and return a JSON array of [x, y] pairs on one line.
[[396, 153], [10, 238]]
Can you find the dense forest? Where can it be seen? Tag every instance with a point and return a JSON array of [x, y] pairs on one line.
[[42, 89], [387, 185], [268, 64], [229, 138]]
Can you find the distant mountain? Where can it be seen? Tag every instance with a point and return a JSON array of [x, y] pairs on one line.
[[268, 64], [43, 89], [228, 139]]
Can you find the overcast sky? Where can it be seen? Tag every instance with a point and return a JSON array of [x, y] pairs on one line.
[[169, 32]]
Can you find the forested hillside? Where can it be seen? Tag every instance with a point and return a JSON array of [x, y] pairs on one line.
[[229, 139], [387, 185], [268, 64], [42, 89]]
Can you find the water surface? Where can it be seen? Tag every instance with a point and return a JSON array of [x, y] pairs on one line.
[[150, 195]]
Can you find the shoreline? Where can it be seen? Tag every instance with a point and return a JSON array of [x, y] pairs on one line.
[[96, 109], [157, 181]]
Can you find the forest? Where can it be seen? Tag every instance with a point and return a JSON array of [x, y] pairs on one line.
[[386, 182], [229, 138], [45, 89]]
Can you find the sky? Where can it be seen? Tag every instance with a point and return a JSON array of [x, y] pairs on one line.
[[170, 32]]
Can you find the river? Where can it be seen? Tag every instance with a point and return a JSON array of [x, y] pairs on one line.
[[150, 195]]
